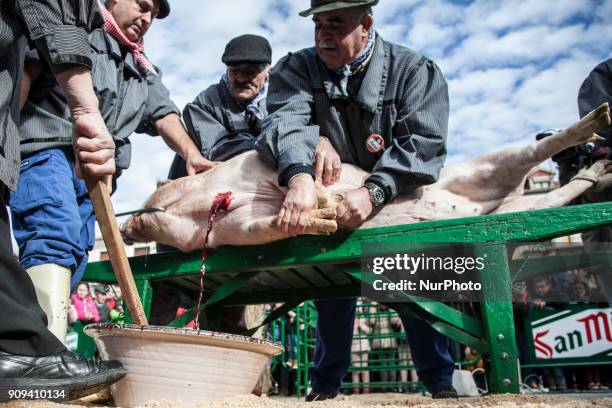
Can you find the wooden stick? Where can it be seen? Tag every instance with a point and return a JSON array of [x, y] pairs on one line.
[[100, 198]]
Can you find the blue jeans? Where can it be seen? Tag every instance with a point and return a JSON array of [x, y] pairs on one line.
[[430, 354], [53, 219]]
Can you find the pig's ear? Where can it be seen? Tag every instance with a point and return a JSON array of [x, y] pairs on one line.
[[162, 183]]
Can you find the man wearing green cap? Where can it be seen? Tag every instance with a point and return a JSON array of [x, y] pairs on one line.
[[384, 108]]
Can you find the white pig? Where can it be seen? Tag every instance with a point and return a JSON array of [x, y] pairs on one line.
[[488, 184]]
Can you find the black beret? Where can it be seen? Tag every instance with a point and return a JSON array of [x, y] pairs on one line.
[[248, 48], [164, 9]]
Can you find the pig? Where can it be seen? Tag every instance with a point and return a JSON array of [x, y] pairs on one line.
[[489, 184]]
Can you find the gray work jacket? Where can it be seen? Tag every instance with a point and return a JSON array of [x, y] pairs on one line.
[[130, 99], [59, 29], [217, 125], [403, 97]]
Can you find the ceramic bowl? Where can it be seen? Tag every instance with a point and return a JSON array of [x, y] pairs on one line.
[[180, 364]]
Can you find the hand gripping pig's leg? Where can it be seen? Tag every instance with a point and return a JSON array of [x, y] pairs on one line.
[[322, 221]]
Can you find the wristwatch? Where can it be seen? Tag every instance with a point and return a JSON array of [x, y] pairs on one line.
[[377, 194]]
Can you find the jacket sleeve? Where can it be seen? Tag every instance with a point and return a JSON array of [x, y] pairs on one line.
[[595, 90], [59, 29], [205, 128], [158, 104], [289, 138], [418, 150]]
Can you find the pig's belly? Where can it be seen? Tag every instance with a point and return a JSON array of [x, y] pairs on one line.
[[433, 204]]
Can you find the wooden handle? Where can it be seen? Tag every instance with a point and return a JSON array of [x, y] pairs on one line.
[[100, 198]]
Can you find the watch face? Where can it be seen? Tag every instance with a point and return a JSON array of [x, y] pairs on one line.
[[378, 196]]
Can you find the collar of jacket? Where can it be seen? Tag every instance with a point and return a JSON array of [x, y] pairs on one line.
[[108, 43], [370, 97]]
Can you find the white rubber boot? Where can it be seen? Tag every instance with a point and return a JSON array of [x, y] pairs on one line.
[[52, 283]]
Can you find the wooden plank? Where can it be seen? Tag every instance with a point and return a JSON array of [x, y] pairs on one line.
[[103, 207]]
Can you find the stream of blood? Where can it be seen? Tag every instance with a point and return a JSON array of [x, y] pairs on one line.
[[221, 202]]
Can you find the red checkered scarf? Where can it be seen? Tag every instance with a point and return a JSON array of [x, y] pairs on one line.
[[136, 49]]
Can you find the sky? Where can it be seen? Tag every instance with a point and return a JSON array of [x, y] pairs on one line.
[[513, 67]]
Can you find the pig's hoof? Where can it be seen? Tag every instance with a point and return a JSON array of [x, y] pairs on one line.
[[318, 226], [324, 213], [601, 119], [599, 174], [583, 131], [163, 183]]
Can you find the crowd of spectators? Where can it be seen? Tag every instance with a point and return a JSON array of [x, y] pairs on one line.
[[557, 292], [96, 303]]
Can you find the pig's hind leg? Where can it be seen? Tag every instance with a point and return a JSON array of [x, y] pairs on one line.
[[585, 180], [496, 175]]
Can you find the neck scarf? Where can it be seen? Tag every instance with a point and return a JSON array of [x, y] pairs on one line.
[[136, 49], [251, 108], [359, 64]]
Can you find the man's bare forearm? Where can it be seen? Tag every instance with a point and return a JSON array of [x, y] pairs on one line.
[[174, 134], [78, 90], [94, 147]]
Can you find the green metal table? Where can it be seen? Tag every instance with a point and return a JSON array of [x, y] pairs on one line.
[[326, 267]]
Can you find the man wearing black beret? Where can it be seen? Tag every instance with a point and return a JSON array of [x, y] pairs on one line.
[[225, 119]]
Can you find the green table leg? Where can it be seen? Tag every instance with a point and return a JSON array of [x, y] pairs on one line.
[[498, 319], [145, 291]]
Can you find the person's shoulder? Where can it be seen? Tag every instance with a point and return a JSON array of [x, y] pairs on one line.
[[603, 68], [408, 61], [403, 53], [100, 39], [210, 95], [298, 59]]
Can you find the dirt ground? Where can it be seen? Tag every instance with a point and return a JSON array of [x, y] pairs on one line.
[[368, 401]]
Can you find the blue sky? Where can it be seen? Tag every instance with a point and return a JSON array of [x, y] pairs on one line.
[[513, 67]]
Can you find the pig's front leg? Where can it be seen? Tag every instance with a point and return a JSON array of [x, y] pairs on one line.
[[321, 222], [182, 233]]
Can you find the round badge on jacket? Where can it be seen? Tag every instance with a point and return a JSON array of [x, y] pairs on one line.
[[375, 143]]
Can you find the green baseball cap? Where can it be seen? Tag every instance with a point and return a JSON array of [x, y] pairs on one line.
[[321, 6]]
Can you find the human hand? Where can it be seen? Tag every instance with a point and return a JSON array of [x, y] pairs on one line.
[[196, 163], [328, 166], [540, 304], [354, 209], [94, 147], [300, 200]]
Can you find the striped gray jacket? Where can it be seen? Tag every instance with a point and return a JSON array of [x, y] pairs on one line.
[[217, 125], [403, 97], [130, 100], [58, 28]]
